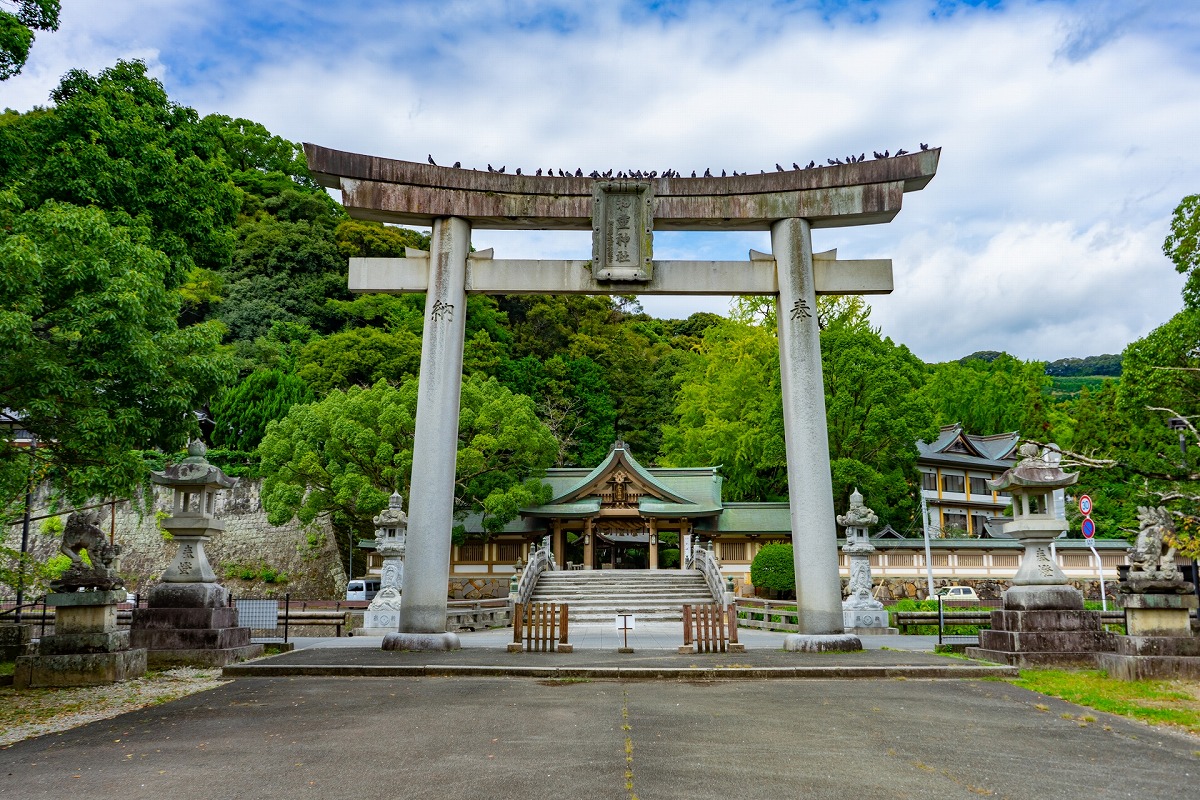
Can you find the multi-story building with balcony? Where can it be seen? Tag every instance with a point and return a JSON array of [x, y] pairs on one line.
[[955, 470]]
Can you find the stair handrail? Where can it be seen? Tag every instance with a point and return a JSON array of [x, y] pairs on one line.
[[539, 562], [707, 562]]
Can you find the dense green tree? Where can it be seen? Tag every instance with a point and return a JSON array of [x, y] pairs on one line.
[[730, 413], [115, 141], [362, 239], [17, 31], [93, 358], [241, 414], [359, 357], [876, 412], [572, 398], [344, 455], [991, 396], [1182, 246]]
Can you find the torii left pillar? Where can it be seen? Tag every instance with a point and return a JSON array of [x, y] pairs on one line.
[[435, 445]]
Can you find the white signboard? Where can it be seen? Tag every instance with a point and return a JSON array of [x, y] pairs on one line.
[[624, 622]]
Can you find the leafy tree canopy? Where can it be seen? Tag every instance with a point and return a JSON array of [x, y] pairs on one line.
[[345, 454], [93, 359], [116, 142], [17, 31], [242, 413], [1182, 246], [991, 396], [730, 412]]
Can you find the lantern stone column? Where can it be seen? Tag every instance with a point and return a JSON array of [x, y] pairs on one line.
[[861, 612], [189, 620], [383, 614]]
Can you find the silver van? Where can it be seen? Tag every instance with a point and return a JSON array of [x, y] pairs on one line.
[[362, 589]]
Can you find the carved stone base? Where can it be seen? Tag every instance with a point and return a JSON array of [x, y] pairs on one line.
[[188, 595], [86, 649], [864, 618], [196, 637], [822, 643], [421, 641], [1042, 598]]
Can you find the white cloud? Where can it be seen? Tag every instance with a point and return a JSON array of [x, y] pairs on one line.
[[1068, 129]]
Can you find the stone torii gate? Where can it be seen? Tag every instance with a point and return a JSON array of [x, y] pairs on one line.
[[622, 215]]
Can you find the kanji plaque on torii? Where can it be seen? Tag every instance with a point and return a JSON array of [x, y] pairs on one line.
[[787, 203]]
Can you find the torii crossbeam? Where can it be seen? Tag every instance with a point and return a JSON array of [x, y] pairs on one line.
[[622, 215]]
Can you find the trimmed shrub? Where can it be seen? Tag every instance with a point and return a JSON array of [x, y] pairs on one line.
[[773, 568]]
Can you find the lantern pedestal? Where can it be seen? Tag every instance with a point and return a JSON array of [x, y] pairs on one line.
[[189, 621]]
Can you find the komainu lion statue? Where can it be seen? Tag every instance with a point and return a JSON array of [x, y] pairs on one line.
[[1153, 551], [1152, 565], [83, 532]]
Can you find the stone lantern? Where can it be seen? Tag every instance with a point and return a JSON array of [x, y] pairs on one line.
[[391, 529], [194, 483], [860, 611], [189, 621], [1039, 583], [1043, 622]]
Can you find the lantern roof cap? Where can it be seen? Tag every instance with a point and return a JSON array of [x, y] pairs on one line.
[[1035, 470], [194, 471]]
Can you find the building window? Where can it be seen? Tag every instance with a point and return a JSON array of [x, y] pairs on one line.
[[733, 551], [900, 559], [929, 481], [978, 524], [471, 553], [1006, 560], [970, 559], [955, 521], [953, 483], [1076, 560], [979, 486], [508, 552]]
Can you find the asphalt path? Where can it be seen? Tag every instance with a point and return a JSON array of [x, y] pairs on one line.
[[368, 738]]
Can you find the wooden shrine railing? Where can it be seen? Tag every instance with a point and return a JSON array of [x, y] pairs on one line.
[[540, 627], [710, 628]]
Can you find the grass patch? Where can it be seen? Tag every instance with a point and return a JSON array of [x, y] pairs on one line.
[[1174, 703], [33, 712], [7, 667]]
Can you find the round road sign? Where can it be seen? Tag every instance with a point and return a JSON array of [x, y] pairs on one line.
[[1085, 504], [1088, 527]]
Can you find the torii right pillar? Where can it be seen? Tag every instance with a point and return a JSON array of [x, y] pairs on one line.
[[810, 485]]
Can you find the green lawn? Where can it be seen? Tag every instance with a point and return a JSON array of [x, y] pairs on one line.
[[1175, 703]]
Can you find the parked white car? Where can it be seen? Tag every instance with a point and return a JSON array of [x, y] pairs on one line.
[[958, 593]]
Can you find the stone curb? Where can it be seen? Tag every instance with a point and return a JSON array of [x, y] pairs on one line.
[[965, 672]]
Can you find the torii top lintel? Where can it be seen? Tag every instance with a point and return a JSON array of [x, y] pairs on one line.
[[390, 190]]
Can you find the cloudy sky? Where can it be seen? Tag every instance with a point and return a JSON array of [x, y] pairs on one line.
[[1069, 129]]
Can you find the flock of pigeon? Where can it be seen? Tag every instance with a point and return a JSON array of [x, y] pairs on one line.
[[671, 173]]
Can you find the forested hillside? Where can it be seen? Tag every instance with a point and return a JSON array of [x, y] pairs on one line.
[[164, 274]]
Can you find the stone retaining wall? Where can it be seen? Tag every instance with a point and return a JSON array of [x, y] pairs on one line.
[[305, 554]]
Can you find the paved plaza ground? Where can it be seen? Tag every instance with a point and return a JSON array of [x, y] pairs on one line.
[[524, 737]]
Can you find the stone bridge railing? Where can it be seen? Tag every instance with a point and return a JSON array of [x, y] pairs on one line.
[[539, 561]]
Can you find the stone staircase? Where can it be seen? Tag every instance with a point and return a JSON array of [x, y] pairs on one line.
[[597, 595]]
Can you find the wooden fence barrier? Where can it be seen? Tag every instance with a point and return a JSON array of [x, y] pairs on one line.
[[710, 628], [540, 627]]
